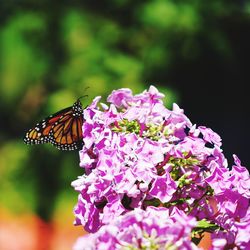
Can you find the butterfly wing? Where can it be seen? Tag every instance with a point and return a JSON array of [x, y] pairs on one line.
[[66, 134], [62, 129], [40, 133]]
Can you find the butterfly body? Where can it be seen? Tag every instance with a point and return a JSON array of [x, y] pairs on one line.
[[62, 129]]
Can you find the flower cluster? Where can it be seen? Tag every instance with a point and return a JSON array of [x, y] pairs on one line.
[[156, 228], [138, 154]]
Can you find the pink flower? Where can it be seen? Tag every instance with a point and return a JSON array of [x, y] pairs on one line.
[[155, 228], [120, 98], [138, 154], [210, 136], [163, 188]]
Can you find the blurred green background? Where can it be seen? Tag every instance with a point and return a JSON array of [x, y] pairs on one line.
[[196, 52]]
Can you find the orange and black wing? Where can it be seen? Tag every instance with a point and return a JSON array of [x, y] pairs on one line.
[[62, 129], [66, 134]]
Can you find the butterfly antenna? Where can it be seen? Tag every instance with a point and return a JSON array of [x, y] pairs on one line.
[[86, 88], [83, 95]]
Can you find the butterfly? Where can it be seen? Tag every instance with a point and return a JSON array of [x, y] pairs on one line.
[[62, 129]]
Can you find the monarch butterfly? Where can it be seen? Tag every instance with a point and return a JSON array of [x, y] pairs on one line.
[[62, 129]]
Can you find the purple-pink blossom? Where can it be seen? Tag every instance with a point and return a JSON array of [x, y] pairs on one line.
[[138, 154], [155, 228]]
